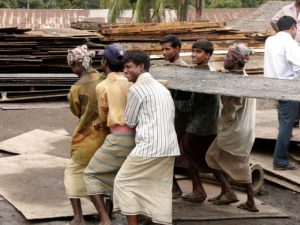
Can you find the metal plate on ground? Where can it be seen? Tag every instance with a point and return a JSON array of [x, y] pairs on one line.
[[37, 141], [208, 211], [33, 183], [283, 177]]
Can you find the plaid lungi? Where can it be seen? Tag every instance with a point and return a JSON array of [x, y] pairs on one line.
[[100, 173], [143, 186]]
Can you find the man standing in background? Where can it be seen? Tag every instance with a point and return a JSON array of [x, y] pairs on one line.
[[282, 61]]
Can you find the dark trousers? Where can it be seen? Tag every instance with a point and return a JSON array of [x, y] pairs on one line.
[[287, 113]]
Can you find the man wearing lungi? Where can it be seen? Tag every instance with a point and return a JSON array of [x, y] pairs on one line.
[[170, 48], [85, 139], [228, 155], [100, 173], [201, 125], [143, 185]]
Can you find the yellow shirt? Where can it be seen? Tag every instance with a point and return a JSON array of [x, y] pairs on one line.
[[112, 99], [83, 104]]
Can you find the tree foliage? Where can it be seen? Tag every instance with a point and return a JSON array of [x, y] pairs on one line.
[[225, 4]]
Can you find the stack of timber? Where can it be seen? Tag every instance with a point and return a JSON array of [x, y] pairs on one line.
[[41, 51], [24, 87], [33, 64], [146, 36]]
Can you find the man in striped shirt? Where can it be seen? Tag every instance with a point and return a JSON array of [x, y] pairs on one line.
[[144, 183]]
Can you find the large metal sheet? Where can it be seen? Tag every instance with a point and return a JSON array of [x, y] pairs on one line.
[[208, 211], [203, 81], [38, 141], [33, 183]]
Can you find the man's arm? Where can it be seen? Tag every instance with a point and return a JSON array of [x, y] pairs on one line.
[[133, 105], [74, 101], [275, 18], [293, 56], [102, 103]]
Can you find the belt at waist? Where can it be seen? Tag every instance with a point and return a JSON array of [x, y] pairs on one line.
[[118, 129]]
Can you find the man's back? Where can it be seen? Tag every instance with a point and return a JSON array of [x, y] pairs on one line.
[[282, 57]]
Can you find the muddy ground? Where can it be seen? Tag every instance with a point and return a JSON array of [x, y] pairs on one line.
[[15, 122]]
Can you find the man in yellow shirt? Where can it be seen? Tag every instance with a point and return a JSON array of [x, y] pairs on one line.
[[85, 140], [112, 98]]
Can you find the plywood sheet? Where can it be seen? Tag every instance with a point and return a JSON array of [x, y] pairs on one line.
[[33, 183], [208, 211], [37, 141]]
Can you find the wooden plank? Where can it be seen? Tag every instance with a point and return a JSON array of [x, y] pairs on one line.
[[202, 81]]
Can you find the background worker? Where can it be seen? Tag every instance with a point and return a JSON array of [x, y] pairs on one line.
[[282, 61]]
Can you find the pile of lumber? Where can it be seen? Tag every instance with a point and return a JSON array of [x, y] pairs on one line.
[[33, 64], [146, 36], [41, 51], [22, 87]]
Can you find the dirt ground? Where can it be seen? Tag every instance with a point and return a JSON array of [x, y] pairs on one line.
[[15, 122]]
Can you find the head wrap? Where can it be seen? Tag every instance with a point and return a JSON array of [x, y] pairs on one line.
[[82, 55], [238, 53]]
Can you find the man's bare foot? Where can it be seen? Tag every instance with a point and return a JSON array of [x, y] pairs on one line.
[[226, 199], [194, 197], [215, 198], [176, 194], [76, 222], [176, 191], [107, 222], [251, 207]]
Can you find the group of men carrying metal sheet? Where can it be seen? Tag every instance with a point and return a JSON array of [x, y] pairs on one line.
[[133, 131]]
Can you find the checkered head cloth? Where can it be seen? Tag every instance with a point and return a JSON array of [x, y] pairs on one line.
[[81, 54], [238, 53]]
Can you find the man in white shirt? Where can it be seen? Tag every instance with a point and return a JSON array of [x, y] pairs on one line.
[[144, 183], [282, 61], [288, 10]]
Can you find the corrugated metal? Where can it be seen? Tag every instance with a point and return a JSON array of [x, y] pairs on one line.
[[62, 18]]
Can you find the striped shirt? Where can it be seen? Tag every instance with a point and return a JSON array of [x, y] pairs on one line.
[[150, 109]]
